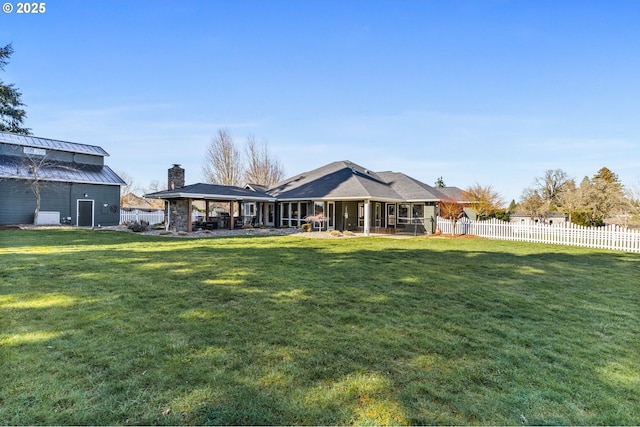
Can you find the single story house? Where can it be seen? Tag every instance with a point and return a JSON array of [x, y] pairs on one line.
[[339, 196], [75, 185]]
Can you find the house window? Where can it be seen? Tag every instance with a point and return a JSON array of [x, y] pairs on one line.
[[248, 212], [318, 210], [270, 212], [391, 215], [285, 214], [417, 213], [403, 213]]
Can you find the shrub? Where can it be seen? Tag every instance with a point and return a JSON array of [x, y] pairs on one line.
[[306, 227], [138, 227]]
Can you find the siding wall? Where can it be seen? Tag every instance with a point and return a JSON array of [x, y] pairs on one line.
[[62, 156], [17, 202]]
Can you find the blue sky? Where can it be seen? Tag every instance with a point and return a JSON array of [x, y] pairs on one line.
[[494, 92]]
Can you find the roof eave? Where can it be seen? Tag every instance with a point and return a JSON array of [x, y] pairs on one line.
[[201, 196], [71, 181]]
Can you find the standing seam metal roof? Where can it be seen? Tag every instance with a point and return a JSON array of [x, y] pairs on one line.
[[51, 144], [15, 168]]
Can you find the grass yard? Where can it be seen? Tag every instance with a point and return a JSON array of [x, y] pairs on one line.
[[100, 327]]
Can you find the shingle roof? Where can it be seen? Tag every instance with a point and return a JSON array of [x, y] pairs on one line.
[[211, 192], [51, 144], [455, 194], [410, 188], [337, 180], [16, 168]]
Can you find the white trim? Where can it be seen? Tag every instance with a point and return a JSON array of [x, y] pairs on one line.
[[331, 215], [367, 217]]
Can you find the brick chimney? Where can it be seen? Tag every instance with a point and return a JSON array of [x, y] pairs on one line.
[[176, 177]]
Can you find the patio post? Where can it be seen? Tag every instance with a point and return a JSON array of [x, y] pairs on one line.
[[367, 217]]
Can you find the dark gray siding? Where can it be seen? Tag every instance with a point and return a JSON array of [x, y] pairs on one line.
[[10, 150], [60, 156], [105, 198], [88, 159], [17, 202]]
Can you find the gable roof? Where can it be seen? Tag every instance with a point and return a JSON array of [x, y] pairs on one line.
[[51, 144], [455, 194], [337, 180], [211, 192], [410, 188], [14, 167], [256, 187]]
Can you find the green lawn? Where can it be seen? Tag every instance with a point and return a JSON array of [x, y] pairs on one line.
[[100, 327]]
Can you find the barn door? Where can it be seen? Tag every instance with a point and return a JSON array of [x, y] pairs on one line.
[[85, 213]]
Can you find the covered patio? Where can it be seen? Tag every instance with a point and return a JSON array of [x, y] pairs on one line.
[[210, 206]]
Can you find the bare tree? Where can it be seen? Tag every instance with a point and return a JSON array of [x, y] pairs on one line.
[[154, 186], [533, 204], [484, 200], [570, 200], [547, 194], [38, 170], [129, 185], [633, 199], [453, 211], [552, 185], [223, 161], [262, 168]]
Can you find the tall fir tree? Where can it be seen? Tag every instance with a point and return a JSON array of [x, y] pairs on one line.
[[12, 115]]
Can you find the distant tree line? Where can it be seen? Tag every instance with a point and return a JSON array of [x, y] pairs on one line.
[[588, 203]]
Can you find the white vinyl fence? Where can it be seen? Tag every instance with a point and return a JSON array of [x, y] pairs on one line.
[[136, 215], [609, 237]]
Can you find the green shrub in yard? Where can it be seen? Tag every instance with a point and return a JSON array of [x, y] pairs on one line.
[[101, 327]]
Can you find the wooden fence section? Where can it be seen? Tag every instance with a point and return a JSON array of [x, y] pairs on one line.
[[136, 215], [609, 237]]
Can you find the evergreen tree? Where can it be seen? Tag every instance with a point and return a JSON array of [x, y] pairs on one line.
[[11, 114]]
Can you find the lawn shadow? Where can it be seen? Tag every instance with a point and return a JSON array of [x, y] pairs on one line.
[[292, 331]]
